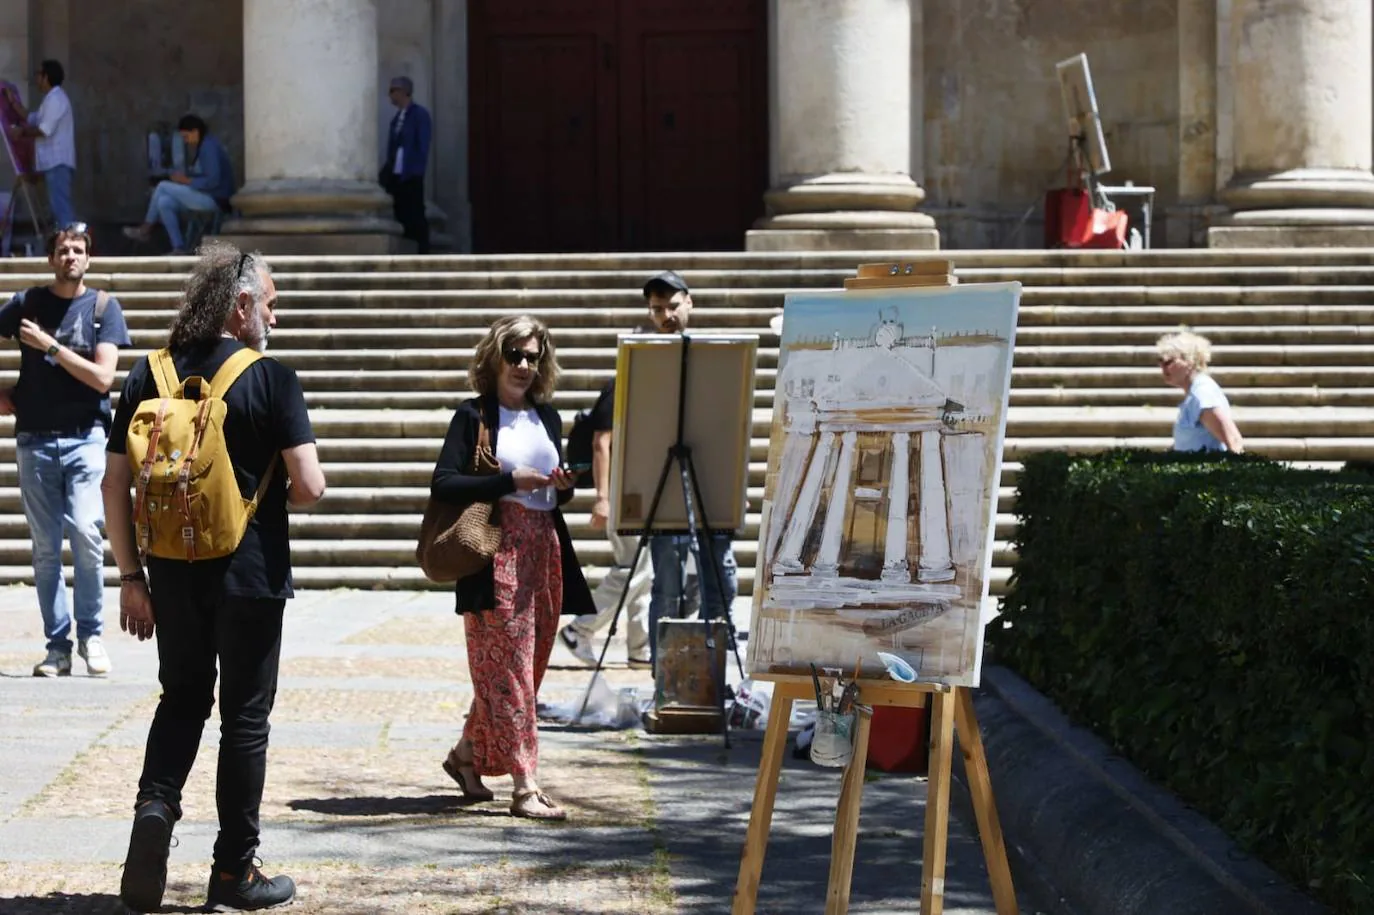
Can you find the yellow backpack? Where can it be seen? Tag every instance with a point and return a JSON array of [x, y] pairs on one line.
[[187, 503]]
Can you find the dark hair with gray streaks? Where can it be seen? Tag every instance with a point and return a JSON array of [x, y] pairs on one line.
[[208, 298]]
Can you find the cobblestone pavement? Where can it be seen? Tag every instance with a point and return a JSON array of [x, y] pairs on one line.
[[372, 693]]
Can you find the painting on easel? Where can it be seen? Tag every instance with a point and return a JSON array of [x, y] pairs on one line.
[[883, 468]]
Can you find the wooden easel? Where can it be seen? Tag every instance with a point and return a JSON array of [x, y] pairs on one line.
[[950, 707]]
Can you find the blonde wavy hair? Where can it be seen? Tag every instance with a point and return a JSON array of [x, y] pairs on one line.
[[1193, 350], [506, 333]]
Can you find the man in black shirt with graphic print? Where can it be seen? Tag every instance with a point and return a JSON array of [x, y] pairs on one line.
[[70, 336], [227, 610]]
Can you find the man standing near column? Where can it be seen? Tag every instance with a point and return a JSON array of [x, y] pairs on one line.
[[70, 338], [55, 139], [407, 153]]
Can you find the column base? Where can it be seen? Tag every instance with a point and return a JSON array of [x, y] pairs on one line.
[[1291, 236], [844, 211], [315, 217]]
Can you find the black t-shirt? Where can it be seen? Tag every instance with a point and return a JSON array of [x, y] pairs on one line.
[[602, 414], [47, 398], [266, 414]]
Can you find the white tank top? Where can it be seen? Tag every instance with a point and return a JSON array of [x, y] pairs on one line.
[[522, 441]]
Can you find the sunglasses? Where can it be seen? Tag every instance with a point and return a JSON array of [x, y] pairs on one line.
[[514, 357]]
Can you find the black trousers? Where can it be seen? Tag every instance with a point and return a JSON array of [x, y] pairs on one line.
[[408, 201], [194, 630]]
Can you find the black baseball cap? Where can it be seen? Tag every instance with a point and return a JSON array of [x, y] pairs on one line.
[[668, 280]]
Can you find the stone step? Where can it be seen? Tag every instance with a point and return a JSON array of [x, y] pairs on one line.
[[643, 264], [551, 302], [608, 323], [718, 276], [1162, 398], [463, 339]]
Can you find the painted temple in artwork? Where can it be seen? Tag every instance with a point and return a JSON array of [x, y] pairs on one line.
[[879, 505]]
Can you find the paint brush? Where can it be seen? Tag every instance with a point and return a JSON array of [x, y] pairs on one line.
[[815, 678]]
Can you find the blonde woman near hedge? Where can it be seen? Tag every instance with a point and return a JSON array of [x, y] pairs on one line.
[[510, 609], [1204, 417]]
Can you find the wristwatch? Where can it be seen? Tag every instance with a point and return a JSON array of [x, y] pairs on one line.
[[52, 350]]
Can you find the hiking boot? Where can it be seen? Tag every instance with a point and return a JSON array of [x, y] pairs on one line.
[[580, 646], [92, 651], [145, 867], [58, 663], [247, 892]]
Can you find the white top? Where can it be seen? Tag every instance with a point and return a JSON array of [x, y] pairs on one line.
[[522, 441], [1189, 432], [57, 146]]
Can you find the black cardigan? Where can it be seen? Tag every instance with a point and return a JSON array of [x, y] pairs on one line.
[[453, 482]]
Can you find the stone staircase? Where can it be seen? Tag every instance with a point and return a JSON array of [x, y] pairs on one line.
[[382, 345]]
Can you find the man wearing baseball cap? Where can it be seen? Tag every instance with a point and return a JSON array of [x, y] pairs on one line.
[[670, 308]]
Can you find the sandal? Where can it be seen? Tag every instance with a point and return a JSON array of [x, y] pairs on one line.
[[461, 772], [536, 805]]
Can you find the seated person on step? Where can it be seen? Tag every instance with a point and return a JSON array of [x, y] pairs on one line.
[[205, 187]]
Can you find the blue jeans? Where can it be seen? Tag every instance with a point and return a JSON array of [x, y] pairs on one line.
[[170, 202], [669, 553], [59, 484], [59, 182]]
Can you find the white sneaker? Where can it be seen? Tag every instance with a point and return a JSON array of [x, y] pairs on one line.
[[580, 647], [92, 651], [56, 664]]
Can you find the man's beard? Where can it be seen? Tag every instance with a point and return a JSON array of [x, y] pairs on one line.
[[256, 332]]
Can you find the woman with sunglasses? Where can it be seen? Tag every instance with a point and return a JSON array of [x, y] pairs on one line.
[[511, 608], [1204, 417]]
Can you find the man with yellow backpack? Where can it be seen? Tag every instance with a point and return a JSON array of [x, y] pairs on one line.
[[215, 443]]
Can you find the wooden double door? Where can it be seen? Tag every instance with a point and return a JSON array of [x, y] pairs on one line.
[[617, 125]]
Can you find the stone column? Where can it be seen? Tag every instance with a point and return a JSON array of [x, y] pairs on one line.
[[935, 562], [799, 523], [841, 98], [898, 490], [310, 131], [1302, 142], [827, 562]]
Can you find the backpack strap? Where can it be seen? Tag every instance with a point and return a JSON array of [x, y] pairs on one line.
[[102, 301], [224, 379], [164, 373], [230, 371]]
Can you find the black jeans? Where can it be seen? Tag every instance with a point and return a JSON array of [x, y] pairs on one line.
[[408, 200], [244, 634]]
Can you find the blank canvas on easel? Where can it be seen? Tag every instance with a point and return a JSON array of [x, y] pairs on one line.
[[883, 468], [718, 420]]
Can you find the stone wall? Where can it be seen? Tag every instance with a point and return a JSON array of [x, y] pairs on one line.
[[994, 130], [132, 67]]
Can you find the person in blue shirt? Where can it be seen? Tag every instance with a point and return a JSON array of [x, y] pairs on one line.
[[204, 187], [407, 152], [1204, 420]]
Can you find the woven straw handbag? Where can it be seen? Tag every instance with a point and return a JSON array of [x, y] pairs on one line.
[[460, 540]]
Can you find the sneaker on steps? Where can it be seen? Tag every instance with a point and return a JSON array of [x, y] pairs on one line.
[[247, 892], [580, 646], [145, 867], [57, 664], [92, 651]]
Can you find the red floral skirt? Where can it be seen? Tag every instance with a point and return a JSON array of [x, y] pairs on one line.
[[509, 646]]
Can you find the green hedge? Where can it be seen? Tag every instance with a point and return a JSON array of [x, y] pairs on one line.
[[1212, 617]]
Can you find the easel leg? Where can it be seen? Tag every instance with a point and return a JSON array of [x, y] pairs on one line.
[[847, 822], [761, 813], [937, 804], [984, 805]]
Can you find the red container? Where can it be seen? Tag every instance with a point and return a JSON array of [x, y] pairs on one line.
[[897, 739]]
